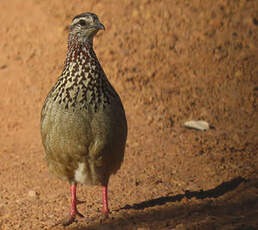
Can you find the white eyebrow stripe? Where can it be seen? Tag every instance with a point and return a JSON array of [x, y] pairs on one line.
[[76, 20]]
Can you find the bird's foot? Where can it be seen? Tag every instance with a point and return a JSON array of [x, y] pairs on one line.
[[105, 213], [71, 218]]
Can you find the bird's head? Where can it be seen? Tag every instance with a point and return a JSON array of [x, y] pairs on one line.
[[85, 26]]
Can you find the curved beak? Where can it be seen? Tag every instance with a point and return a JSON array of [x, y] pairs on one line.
[[100, 26]]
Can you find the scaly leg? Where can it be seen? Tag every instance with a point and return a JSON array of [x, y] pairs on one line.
[[74, 212], [105, 209]]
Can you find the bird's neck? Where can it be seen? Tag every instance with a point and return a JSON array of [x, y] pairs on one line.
[[80, 53], [74, 40]]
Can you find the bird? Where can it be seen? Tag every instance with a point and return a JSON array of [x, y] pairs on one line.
[[83, 123]]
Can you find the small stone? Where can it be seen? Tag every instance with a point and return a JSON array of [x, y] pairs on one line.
[[199, 125], [32, 193]]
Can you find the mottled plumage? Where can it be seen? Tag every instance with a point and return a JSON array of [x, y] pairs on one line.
[[83, 124]]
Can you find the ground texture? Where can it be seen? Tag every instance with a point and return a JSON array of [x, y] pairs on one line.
[[170, 61]]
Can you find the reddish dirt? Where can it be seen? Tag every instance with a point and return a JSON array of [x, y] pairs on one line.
[[170, 61]]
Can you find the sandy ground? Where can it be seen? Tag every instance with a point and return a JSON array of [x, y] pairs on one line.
[[170, 61]]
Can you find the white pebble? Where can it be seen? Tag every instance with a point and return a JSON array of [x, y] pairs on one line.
[[199, 125], [32, 193]]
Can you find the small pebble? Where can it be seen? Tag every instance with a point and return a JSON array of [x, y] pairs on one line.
[[32, 193], [199, 125]]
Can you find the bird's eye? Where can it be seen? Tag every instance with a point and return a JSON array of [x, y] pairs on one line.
[[82, 22]]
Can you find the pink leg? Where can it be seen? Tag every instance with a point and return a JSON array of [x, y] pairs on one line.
[[74, 212], [105, 200]]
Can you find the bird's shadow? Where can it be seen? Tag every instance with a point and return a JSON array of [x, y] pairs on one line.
[[135, 216], [211, 193]]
